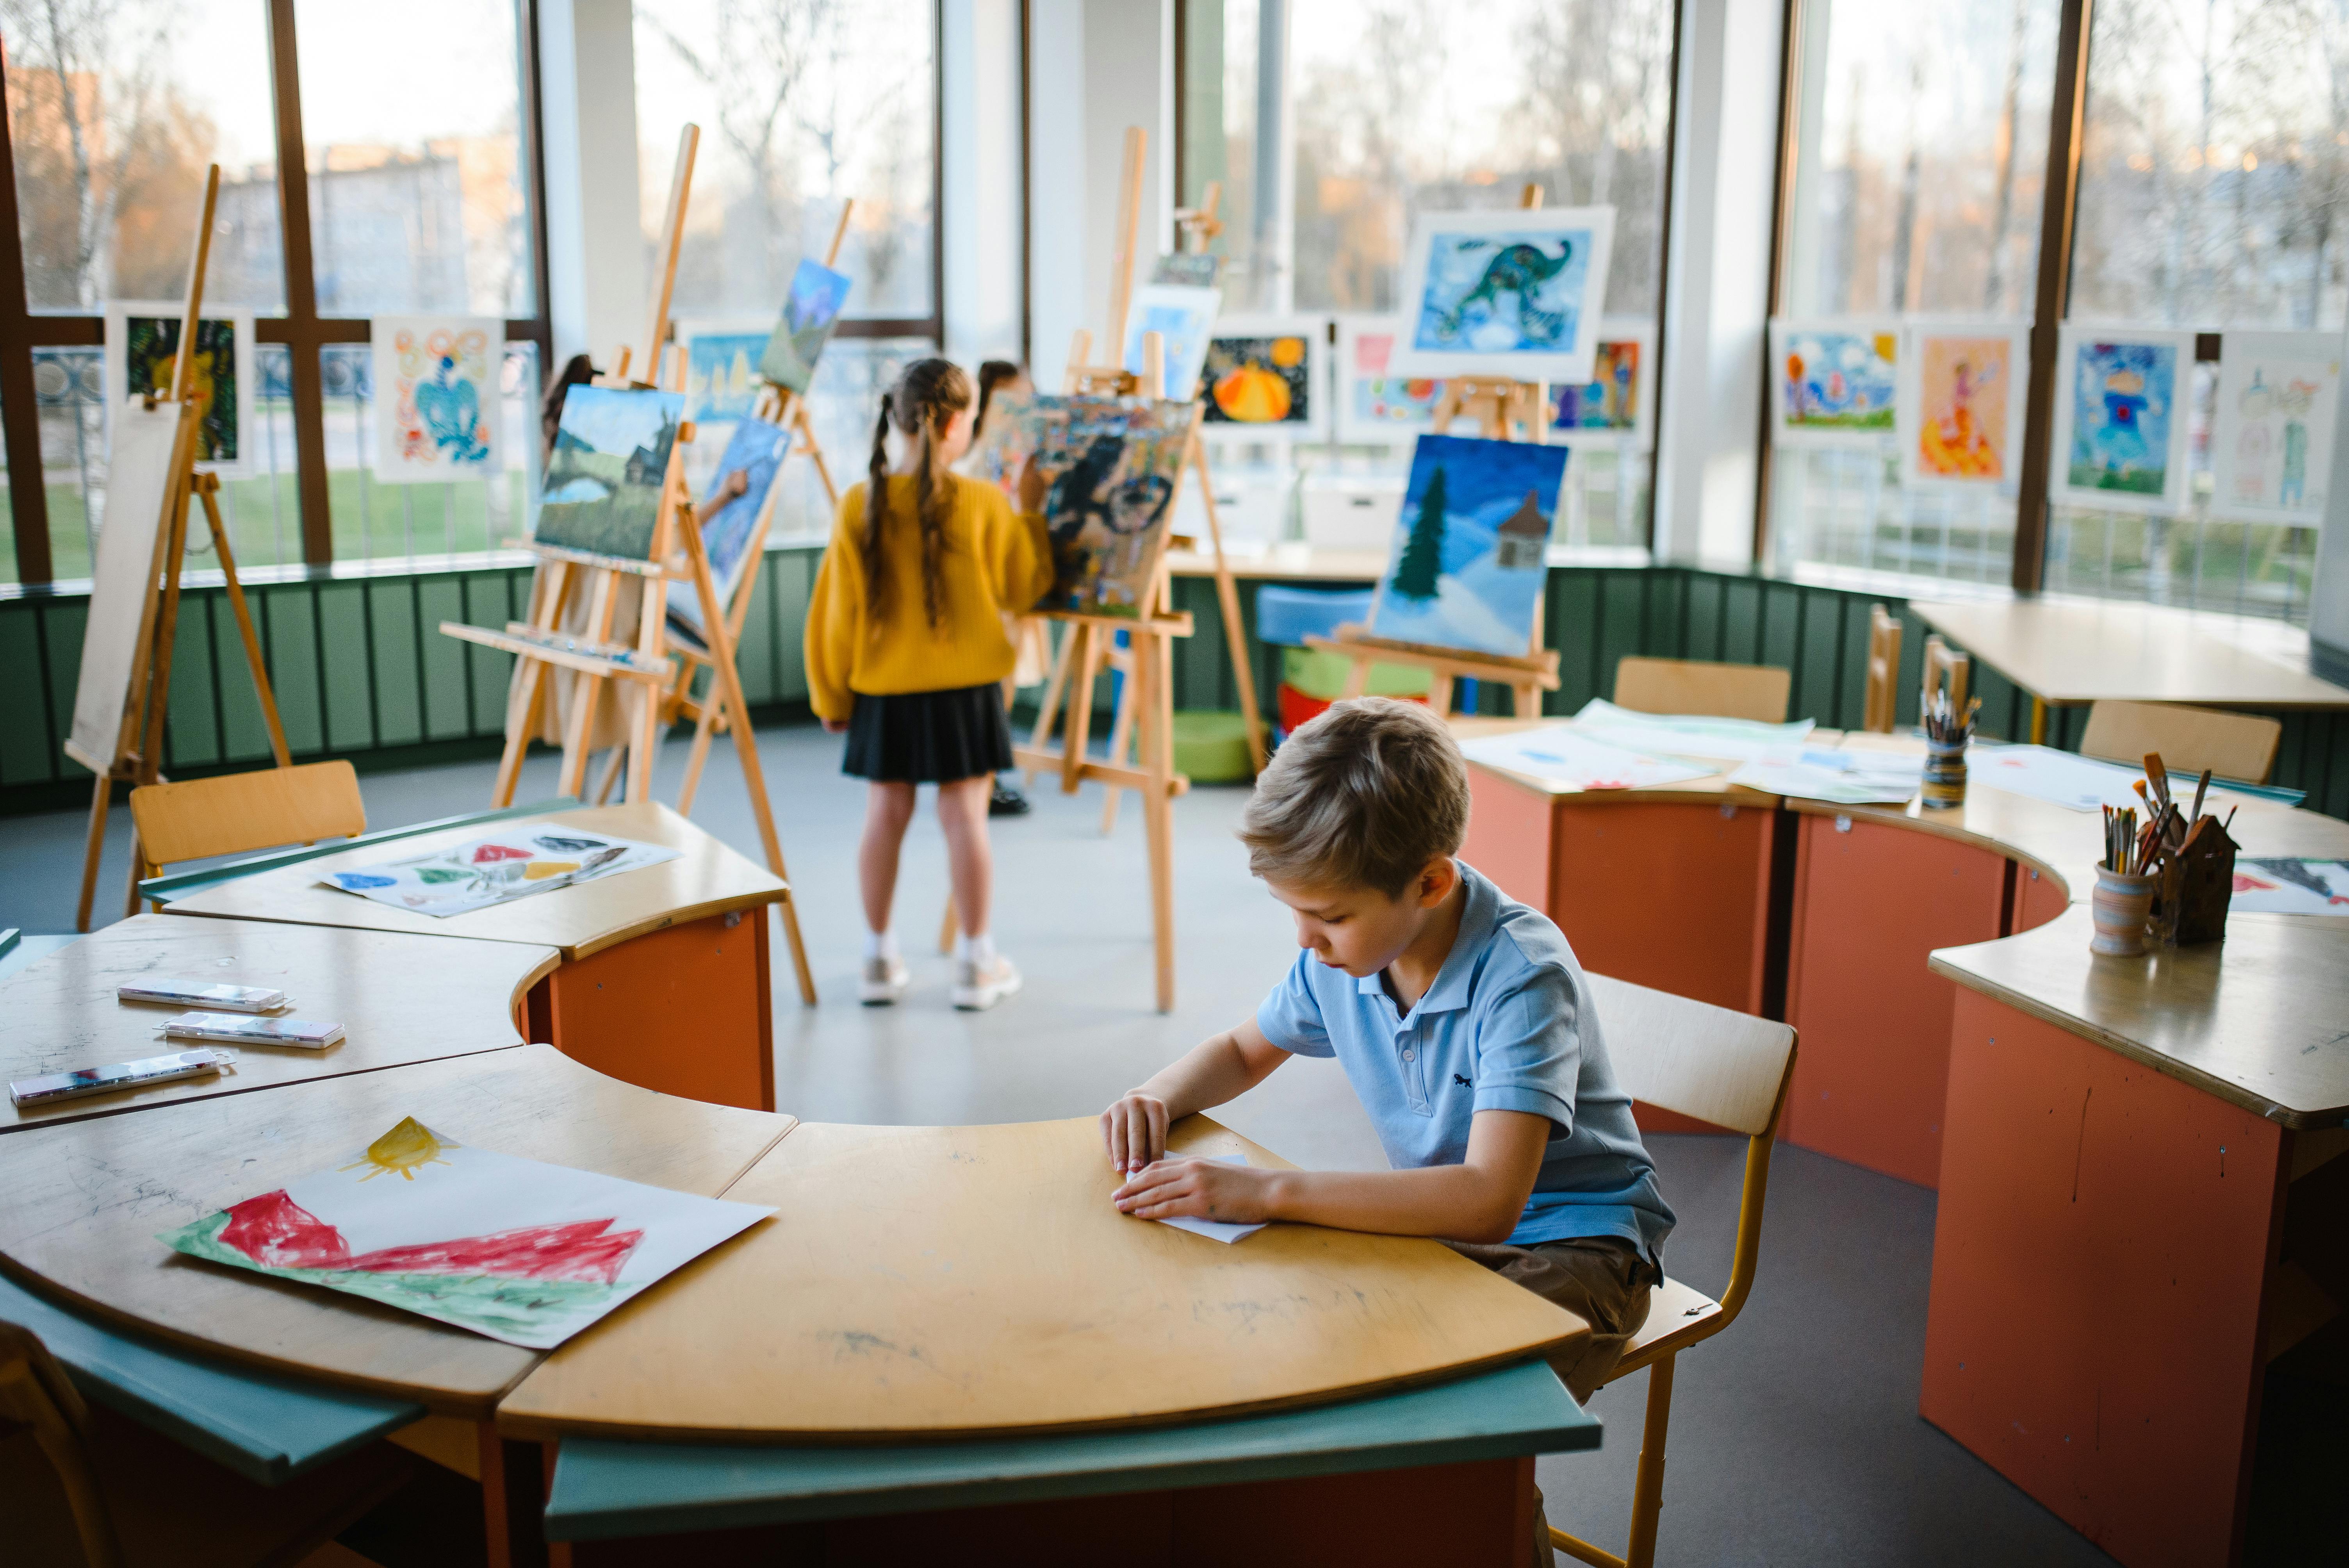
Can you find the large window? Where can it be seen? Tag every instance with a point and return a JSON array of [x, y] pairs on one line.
[[416, 195], [1337, 123]]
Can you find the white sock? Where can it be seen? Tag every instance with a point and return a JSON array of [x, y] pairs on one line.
[[881, 944], [979, 949]]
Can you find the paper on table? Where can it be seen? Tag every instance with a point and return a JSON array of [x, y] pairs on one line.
[[1558, 752], [520, 1251], [2044, 773], [2291, 887], [483, 871], [1847, 777], [1688, 735], [1213, 1230]]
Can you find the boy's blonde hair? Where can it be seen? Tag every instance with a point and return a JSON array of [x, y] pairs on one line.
[[1363, 796]]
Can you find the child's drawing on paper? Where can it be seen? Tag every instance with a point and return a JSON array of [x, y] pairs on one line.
[[1469, 556], [1964, 387], [436, 397], [2124, 397], [1610, 401], [2272, 453], [483, 871], [1834, 382], [152, 342]]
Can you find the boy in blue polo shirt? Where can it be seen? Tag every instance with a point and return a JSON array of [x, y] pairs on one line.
[[1462, 1020]]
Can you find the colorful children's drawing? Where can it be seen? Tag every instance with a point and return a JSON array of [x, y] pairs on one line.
[[1374, 403], [810, 311], [535, 858], [729, 514], [2120, 428], [1614, 404], [2272, 450], [1512, 292], [602, 487], [721, 369], [513, 1249], [1833, 383], [1264, 383], [142, 339], [1111, 464], [1195, 269], [1470, 551], [436, 397], [1964, 401], [2291, 886], [1185, 317]]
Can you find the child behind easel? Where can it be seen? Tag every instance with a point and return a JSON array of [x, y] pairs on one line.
[[906, 654]]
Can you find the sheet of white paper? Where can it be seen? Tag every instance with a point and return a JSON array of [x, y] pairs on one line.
[[1687, 735], [2291, 887], [514, 1249], [1560, 753], [1213, 1230], [1847, 777], [2044, 773], [531, 859]]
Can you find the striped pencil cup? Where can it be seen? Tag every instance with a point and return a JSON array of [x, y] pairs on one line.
[[2118, 908], [1945, 773]]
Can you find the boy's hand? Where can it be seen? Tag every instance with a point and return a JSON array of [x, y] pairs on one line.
[[1135, 1129], [1201, 1188]]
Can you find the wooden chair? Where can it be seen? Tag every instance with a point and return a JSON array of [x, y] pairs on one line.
[[1942, 663], [1725, 1068], [239, 812], [2240, 745], [1695, 686], [1880, 715], [81, 1487]]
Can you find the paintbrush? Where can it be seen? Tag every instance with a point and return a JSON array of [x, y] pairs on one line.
[[2159, 776], [2201, 790]]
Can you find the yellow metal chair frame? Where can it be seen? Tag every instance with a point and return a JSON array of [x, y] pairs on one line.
[[1678, 1315]]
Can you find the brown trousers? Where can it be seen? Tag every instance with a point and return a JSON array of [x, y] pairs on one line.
[[1602, 1280]]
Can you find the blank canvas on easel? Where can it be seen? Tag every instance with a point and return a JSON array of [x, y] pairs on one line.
[[123, 578]]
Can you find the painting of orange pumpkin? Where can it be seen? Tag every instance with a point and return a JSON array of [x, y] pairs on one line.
[[1257, 381]]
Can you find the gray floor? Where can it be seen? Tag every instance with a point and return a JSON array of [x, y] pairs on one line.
[[1796, 1437]]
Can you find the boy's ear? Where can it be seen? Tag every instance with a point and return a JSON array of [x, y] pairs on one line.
[[1437, 881]]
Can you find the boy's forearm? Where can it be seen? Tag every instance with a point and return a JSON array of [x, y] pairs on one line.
[[1456, 1203], [1209, 1074]]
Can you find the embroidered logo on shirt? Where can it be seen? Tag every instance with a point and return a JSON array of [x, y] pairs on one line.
[[1463, 1082]]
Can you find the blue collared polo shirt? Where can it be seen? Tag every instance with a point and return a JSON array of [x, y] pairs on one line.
[[1507, 1025]]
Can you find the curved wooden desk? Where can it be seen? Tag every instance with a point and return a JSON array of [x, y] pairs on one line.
[[664, 982], [402, 1000]]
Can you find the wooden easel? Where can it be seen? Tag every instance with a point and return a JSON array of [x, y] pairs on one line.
[[137, 752], [540, 644], [1504, 411]]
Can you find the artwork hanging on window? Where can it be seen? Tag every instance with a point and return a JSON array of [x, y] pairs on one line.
[[437, 400], [739, 494], [1185, 317], [811, 310], [1469, 556], [1376, 404], [1199, 269], [602, 487], [1263, 382], [1617, 403], [1833, 383], [2271, 446], [142, 337], [2120, 419], [1509, 293], [1962, 402], [721, 368]]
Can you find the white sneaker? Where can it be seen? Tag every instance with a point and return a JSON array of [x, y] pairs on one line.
[[885, 980], [978, 987]]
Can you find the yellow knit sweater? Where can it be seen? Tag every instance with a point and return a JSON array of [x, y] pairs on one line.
[[994, 561]]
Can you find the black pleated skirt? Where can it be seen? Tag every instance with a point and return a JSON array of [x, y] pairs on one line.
[[929, 737]]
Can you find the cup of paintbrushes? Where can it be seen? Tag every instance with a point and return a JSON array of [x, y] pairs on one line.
[[2118, 909], [1944, 783]]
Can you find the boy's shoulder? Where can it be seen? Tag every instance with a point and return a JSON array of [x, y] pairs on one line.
[[1519, 946]]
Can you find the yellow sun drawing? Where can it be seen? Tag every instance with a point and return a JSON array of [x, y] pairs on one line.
[[403, 1149]]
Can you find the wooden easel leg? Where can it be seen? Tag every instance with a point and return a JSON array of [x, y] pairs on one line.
[[1048, 707], [612, 761], [523, 706], [1078, 733], [1358, 678], [1528, 701], [1120, 735], [1153, 670], [1227, 598], [1439, 694], [211, 483], [703, 725], [101, 800], [159, 691], [587, 692], [814, 451], [643, 748]]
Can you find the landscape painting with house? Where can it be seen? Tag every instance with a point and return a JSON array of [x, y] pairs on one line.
[[1467, 562]]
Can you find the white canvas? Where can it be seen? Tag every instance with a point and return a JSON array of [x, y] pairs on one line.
[[1510, 292], [436, 396], [2271, 445], [1184, 316], [1832, 383], [2078, 374], [118, 374], [1373, 403], [122, 577], [1234, 380], [514, 1249]]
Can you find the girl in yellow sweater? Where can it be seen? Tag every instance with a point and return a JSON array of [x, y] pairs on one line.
[[907, 656]]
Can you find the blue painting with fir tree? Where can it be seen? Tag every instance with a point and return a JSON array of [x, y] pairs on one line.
[[1467, 562]]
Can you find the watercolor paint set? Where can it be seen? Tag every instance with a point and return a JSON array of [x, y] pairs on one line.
[[212, 997], [242, 1029], [51, 1086]]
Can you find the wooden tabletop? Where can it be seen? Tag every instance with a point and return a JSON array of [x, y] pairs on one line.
[[1713, 790], [81, 1206], [923, 1282], [709, 879], [399, 999], [2067, 652], [2260, 1020]]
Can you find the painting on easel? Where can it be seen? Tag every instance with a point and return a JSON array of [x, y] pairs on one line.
[[721, 368], [727, 516], [810, 311], [1112, 463], [1469, 556], [1510, 294], [602, 487]]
